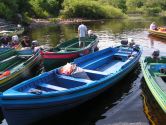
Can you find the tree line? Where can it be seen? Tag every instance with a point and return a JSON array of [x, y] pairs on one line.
[[25, 10]]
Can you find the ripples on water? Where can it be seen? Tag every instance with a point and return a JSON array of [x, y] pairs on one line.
[[125, 103]]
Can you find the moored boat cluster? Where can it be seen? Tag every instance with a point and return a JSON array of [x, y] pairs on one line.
[[73, 75]]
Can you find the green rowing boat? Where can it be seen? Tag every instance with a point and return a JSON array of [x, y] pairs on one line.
[[68, 51], [154, 71], [17, 67]]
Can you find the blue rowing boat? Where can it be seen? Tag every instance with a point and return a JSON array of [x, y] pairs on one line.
[[52, 92]]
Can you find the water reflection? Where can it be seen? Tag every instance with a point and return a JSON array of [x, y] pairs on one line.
[[109, 31], [153, 111]]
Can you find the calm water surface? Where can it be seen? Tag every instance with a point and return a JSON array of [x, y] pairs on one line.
[[129, 102]]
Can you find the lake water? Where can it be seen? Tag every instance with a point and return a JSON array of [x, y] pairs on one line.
[[129, 102]]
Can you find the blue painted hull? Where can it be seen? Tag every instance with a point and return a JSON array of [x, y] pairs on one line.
[[28, 108]]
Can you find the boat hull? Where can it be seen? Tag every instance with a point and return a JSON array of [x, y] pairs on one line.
[[27, 111], [55, 59], [22, 73], [6, 52], [154, 87], [157, 33]]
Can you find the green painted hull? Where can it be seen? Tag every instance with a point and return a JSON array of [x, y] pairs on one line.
[[6, 52], [155, 79], [21, 66]]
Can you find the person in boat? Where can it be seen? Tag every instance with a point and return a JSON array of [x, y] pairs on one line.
[[35, 46], [5, 40], [131, 42], [156, 54], [15, 40], [26, 42], [90, 33], [82, 34], [153, 26]]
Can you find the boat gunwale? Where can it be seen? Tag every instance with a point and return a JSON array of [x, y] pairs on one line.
[[94, 42]]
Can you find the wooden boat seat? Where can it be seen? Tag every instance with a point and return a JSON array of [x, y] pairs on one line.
[[161, 83], [75, 79], [160, 74], [71, 45], [52, 87], [8, 59], [24, 56], [95, 72], [125, 51], [88, 64], [156, 66], [71, 49], [122, 56]]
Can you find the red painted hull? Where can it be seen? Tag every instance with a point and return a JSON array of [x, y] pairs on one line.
[[53, 59]]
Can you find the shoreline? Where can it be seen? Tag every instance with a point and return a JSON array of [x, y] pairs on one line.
[[47, 22], [57, 21]]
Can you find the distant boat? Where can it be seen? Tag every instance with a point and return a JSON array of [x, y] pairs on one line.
[[154, 72], [51, 92], [12, 30], [17, 66], [158, 33], [67, 52]]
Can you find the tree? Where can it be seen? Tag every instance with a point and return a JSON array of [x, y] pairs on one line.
[[121, 4]]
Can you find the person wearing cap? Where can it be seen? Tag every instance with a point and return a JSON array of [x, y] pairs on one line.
[[15, 40], [153, 26], [5, 40], [26, 42], [82, 34]]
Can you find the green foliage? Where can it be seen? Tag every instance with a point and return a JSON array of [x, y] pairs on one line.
[[45, 8], [152, 7], [135, 6], [37, 9], [8, 8], [89, 9], [119, 4], [162, 13], [135, 3], [152, 11]]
